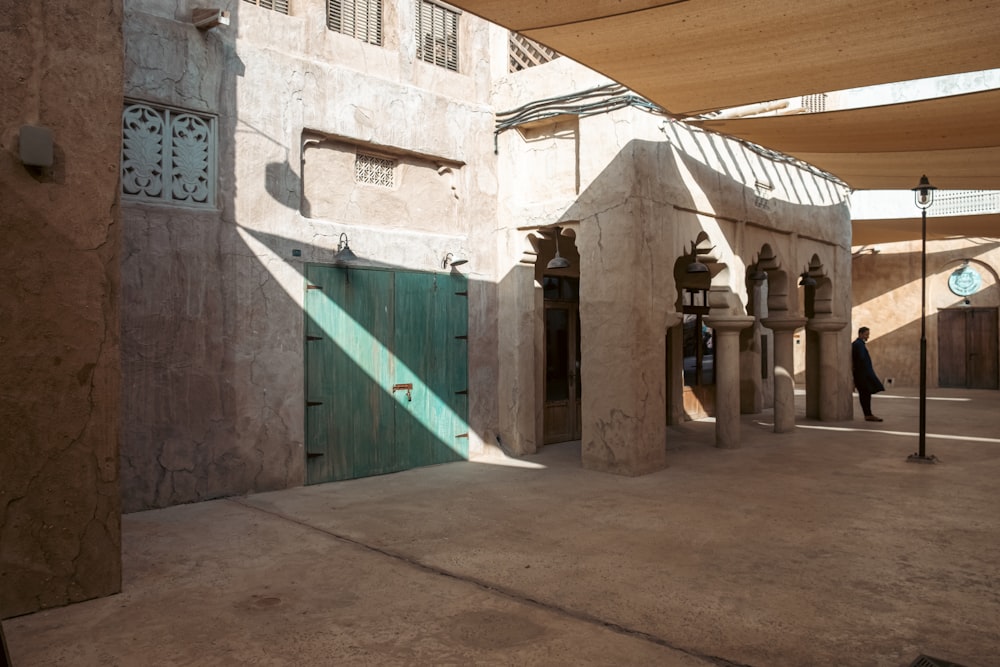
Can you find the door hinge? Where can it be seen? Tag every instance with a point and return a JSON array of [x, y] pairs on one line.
[[314, 338], [310, 404], [314, 287]]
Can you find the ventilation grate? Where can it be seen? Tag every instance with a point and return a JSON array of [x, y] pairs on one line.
[[374, 170]]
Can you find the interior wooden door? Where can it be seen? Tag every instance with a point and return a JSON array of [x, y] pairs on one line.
[[967, 348]]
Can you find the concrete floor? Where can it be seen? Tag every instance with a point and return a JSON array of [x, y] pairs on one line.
[[818, 547]]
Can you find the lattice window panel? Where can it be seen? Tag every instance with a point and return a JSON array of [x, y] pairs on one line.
[[361, 19], [966, 202], [437, 35], [280, 6], [525, 53], [374, 170], [814, 103], [168, 155]]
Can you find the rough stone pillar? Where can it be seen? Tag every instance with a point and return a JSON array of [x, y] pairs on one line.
[[726, 330], [520, 337], [60, 513], [828, 330], [784, 369]]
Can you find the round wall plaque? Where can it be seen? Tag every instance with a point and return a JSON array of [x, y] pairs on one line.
[[964, 281]]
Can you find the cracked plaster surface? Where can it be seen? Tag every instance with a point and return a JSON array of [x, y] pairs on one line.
[[59, 385]]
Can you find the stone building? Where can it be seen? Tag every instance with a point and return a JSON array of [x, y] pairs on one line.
[[336, 248]]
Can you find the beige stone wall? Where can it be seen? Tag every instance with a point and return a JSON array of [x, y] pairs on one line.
[[886, 297], [637, 191], [59, 340], [212, 314]]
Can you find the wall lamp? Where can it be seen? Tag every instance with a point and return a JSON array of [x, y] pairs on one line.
[[806, 280], [344, 252], [695, 266], [449, 260], [558, 262]]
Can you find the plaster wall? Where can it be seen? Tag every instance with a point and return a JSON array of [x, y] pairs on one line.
[[59, 376], [886, 293], [212, 315], [643, 190]]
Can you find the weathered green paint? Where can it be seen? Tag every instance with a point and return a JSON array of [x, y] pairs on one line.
[[366, 331]]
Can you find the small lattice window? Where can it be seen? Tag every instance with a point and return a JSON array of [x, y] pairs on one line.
[[437, 35], [168, 155], [361, 19], [374, 170], [280, 6]]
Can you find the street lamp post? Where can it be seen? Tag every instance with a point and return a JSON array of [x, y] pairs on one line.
[[923, 197]]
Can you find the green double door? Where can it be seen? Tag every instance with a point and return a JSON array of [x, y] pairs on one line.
[[386, 371]]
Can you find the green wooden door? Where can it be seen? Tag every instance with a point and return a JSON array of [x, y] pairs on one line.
[[386, 371]]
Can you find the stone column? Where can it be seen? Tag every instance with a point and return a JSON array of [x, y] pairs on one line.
[[784, 369], [827, 328], [726, 330], [520, 329]]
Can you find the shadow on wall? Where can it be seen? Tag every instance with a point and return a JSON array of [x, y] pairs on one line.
[[896, 352]]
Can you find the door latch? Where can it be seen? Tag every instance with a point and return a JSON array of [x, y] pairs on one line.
[[408, 387]]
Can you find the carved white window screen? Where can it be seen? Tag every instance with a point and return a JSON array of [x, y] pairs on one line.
[[168, 155], [361, 19], [374, 170], [437, 35]]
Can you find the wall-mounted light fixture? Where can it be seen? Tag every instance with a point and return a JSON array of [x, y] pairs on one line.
[[344, 253], [696, 266], [807, 280], [449, 260], [35, 145], [557, 262], [206, 18], [758, 275]]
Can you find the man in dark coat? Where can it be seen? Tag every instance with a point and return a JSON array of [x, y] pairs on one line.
[[865, 380]]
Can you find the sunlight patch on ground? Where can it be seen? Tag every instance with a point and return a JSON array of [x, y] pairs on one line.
[[917, 398], [846, 429], [508, 462]]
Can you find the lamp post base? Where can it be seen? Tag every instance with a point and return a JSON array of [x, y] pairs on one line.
[[917, 458]]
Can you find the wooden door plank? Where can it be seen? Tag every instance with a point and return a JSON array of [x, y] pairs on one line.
[[349, 417], [951, 348], [982, 336]]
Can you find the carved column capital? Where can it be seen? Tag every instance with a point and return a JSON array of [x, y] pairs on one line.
[[784, 323], [826, 324], [729, 322]]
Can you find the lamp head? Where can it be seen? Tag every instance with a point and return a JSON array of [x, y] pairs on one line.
[[923, 194]]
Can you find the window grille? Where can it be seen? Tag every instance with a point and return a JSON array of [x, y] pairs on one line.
[[280, 6], [525, 53], [168, 155], [437, 35], [966, 202], [374, 170], [814, 103], [361, 19]]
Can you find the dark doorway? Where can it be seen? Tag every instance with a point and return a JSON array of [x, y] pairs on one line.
[[561, 419]]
